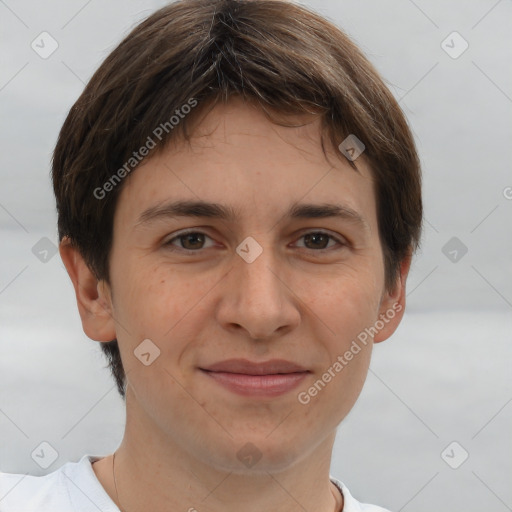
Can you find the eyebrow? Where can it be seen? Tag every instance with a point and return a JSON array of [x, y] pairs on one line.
[[210, 210]]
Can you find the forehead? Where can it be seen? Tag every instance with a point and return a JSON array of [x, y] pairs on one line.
[[238, 158]]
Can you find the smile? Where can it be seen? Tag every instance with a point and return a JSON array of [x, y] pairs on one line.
[[243, 377]]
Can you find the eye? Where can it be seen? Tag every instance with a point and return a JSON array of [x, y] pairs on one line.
[[193, 241], [190, 241], [318, 240]]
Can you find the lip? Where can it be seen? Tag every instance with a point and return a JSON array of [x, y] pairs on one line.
[[270, 378], [244, 366]]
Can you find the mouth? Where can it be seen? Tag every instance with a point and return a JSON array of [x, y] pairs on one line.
[[247, 378]]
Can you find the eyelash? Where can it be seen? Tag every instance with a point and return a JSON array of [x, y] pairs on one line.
[[168, 243]]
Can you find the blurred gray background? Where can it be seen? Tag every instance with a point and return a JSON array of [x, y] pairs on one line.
[[432, 427]]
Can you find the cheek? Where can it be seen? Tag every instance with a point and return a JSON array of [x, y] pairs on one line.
[[160, 303], [151, 303], [347, 302], [348, 306]]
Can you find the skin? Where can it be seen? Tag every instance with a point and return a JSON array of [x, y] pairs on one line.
[[300, 300]]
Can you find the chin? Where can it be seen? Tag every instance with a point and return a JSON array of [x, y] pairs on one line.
[[252, 455]]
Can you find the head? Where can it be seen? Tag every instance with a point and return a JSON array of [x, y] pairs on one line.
[[244, 104]]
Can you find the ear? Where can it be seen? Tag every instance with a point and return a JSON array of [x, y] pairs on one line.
[[93, 297], [392, 306]]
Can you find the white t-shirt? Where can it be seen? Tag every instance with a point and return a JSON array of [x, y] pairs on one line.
[[75, 488]]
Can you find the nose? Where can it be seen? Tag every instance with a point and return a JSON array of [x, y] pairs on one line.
[[259, 298]]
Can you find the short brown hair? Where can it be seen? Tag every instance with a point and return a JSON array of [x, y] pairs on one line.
[[283, 56]]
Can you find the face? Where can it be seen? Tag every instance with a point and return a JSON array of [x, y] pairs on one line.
[[260, 285]]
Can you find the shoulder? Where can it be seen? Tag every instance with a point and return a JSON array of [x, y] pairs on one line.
[[71, 487], [351, 504], [28, 493]]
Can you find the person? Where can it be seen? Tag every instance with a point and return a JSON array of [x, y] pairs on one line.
[[239, 200]]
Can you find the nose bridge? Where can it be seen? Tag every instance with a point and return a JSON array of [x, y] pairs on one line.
[[257, 272], [256, 296]]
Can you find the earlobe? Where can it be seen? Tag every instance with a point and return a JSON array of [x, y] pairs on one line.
[[92, 296], [392, 307]]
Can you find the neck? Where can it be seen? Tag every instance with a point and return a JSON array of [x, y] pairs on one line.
[[141, 486], [153, 472]]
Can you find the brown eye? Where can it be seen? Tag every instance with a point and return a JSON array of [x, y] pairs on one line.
[[191, 241], [318, 240]]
